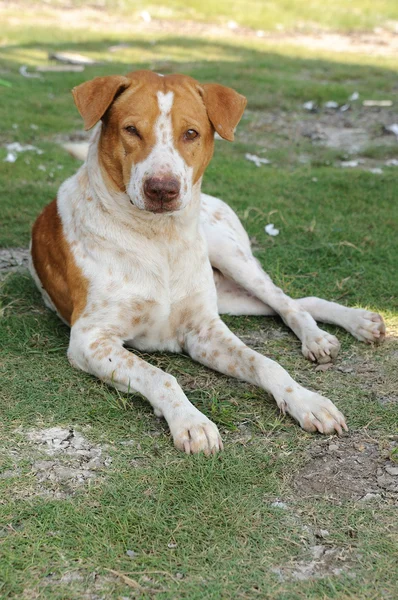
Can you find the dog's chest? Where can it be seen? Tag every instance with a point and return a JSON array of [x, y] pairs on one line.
[[146, 296]]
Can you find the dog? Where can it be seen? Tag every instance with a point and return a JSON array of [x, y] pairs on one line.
[[131, 254]]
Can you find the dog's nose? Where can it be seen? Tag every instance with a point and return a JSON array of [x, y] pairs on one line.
[[161, 188]]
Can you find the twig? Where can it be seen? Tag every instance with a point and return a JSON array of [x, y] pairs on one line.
[[127, 580]]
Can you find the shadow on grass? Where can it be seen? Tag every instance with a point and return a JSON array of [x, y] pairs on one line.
[[268, 78]]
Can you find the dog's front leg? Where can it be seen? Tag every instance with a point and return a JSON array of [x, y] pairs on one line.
[[217, 347], [101, 353]]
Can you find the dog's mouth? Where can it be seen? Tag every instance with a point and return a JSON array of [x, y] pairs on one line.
[[159, 207]]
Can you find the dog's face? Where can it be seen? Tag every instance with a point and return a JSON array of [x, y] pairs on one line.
[[157, 133]]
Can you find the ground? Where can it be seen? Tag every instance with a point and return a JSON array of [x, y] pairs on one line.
[[94, 500]]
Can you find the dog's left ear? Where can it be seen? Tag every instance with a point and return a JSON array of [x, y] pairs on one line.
[[224, 108]]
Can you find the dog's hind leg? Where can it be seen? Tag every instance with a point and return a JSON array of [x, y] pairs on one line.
[[230, 253], [364, 325], [232, 299]]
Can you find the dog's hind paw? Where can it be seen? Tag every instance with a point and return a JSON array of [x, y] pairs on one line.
[[366, 326]]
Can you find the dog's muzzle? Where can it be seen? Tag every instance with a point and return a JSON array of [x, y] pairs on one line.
[[161, 193]]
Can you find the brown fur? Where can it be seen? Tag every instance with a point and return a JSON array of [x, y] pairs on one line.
[[55, 266], [204, 108]]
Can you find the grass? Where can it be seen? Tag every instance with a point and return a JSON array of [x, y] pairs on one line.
[[204, 528]]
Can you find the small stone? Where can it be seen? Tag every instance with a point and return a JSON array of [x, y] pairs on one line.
[[279, 504], [392, 470], [324, 366], [324, 532], [370, 497], [333, 447], [179, 575], [43, 465], [349, 163], [172, 545], [310, 106], [317, 551], [95, 463], [131, 553], [79, 442]]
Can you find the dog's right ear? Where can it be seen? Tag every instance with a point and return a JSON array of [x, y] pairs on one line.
[[93, 98]]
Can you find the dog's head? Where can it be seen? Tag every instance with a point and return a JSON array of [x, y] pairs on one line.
[[157, 133]]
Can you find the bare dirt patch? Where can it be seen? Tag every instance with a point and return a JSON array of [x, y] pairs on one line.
[[62, 461], [365, 370], [12, 259], [350, 132], [322, 562], [319, 558], [78, 583], [355, 467]]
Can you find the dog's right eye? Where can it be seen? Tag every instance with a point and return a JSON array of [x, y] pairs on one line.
[[132, 130]]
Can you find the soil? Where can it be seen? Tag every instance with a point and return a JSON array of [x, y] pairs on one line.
[[12, 259], [324, 561], [62, 461], [349, 132], [355, 467]]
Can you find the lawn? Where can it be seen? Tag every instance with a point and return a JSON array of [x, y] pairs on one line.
[[94, 500]]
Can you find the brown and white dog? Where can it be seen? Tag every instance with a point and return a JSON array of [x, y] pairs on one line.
[[132, 254]]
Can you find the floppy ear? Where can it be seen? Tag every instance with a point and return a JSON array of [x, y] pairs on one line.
[[93, 98], [224, 108]]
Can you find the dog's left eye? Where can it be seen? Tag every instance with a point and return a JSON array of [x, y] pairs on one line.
[[132, 130], [190, 134]]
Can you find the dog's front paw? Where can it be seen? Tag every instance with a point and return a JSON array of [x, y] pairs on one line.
[[313, 411], [321, 348], [193, 433], [366, 326]]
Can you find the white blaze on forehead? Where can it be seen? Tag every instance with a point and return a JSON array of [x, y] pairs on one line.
[[164, 128], [165, 102], [164, 159]]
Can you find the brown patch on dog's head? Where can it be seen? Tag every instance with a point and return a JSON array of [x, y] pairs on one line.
[[157, 136]]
